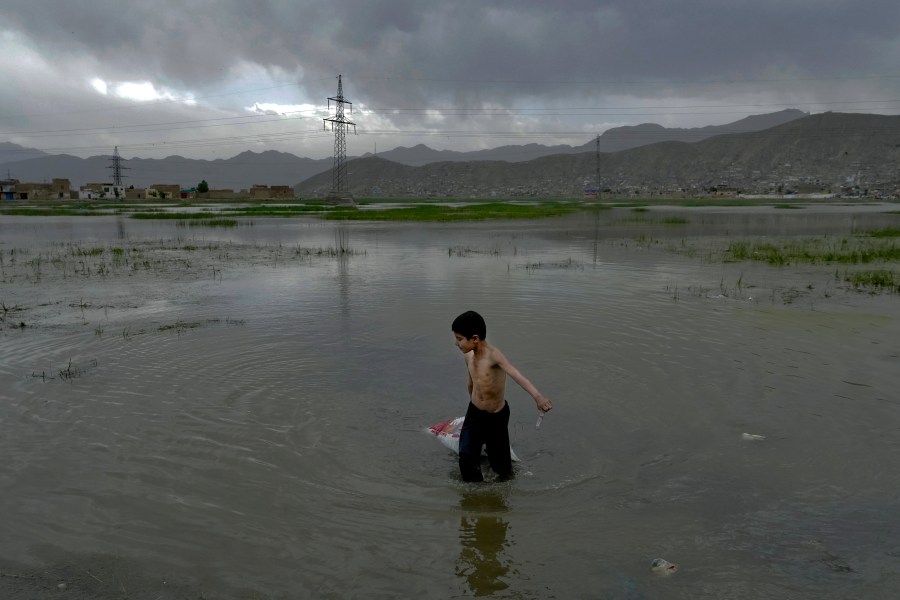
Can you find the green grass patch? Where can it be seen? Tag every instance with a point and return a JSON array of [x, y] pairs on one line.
[[237, 211], [856, 250], [701, 202], [879, 279], [51, 212], [281, 211], [890, 232], [213, 223], [175, 215], [471, 212], [675, 221], [179, 326]]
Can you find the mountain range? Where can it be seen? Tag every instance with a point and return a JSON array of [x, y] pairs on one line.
[[823, 151], [611, 140], [282, 168]]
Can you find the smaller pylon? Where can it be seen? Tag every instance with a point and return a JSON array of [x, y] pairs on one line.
[[117, 168]]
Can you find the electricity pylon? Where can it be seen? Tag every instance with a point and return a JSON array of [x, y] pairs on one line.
[[340, 192], [117, 167]]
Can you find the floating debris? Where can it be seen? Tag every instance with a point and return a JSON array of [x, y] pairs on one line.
[[661, 566]]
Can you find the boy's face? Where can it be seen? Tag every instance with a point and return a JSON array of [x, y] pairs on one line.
[[464, 344]]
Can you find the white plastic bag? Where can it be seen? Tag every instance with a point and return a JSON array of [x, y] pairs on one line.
[[447, 432]]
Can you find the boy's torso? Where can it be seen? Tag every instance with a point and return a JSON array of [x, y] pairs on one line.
[[488, 381]]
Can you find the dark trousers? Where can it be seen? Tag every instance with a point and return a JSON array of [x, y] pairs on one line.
[[487, 430]]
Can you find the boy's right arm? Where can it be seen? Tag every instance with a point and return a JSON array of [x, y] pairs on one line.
[[543, 403]]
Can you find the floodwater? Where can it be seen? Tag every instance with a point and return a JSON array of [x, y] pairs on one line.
[[240, 413]]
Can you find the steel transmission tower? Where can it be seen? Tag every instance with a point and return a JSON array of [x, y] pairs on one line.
[[117, 167], [340, 192]]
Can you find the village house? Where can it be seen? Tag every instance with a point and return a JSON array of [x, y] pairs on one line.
[[222, 194], [273, 192], [164, 191], [8, 189], [61, 189], [32, 191], [101, 191], [134, 193], [57, 189]]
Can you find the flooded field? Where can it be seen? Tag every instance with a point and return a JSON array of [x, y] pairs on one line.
[[239, 412]]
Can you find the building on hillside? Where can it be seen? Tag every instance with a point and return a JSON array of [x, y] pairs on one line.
[[812, 187], [724, 190]]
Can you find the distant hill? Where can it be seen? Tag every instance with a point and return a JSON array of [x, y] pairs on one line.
[[239, 172], [832, 149], [10, 152], [281, 168], [423, 155], [612, 140], [634, 136]]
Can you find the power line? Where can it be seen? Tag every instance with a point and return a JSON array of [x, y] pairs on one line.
[[605, 82], [191, 99], [453, 111]]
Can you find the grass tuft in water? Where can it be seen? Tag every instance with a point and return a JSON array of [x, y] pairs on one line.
[[890, 232], [854, 250], [214, 223], [876, 279]]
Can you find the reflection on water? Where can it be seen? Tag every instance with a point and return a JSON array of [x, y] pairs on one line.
[[483, 556]]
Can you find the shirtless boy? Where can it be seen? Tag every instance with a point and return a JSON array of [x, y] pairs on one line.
[[487, 417]]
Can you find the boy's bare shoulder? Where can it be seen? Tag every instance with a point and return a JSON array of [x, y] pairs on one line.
[[497, 357]]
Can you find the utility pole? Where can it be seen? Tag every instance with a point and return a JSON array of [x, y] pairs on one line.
[[340, 193]]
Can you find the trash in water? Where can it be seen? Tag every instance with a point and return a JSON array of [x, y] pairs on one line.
[[752, 437], [661, 566]]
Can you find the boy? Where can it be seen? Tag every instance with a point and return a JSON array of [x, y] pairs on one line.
[[488, 414]]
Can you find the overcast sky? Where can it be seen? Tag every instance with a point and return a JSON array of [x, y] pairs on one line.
[[210, 79]]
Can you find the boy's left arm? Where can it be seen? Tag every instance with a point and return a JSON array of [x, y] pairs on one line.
[[543, 403]]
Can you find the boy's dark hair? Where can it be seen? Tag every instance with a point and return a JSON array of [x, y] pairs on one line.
[[469, 324]]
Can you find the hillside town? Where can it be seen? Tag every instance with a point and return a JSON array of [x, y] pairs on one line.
[[59, 189], [828, 155]]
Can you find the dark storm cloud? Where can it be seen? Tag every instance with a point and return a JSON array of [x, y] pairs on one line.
[[518, 45], [462, 54]]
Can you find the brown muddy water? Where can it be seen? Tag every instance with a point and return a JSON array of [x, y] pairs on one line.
[[239, 413]]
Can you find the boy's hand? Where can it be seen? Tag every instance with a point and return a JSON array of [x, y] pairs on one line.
[[543, 404]]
